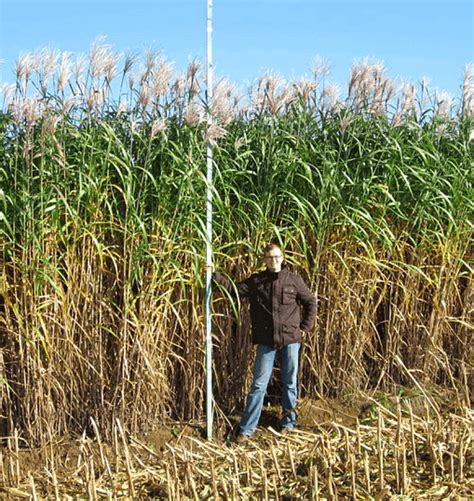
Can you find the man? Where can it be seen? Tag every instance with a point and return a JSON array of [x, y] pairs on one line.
[[276, 298]]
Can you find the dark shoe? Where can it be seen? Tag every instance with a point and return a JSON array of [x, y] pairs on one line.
[[241, 439]]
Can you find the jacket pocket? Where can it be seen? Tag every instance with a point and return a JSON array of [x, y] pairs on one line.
[[288, 294], [290, 333]]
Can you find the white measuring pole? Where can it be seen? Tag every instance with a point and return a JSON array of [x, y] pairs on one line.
[[209, 399]]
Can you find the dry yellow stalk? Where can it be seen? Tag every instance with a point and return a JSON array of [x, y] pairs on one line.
[[237, 471], [55, 483], [275, 462], [264, 481], [128, 462], [16, 493], [16, 455], [99, 441], [412, 435], [2, 464], [367, 472], [275, 482], [170, 484], [215, 492], [353, 477], [330, 480], [191, 481], [116, 448], [380, 452], [358, 437], [405, 479], [224, 488], [347, 449], [11, 467], [316, 482], [290, 457], [92, 486], [34, 496]]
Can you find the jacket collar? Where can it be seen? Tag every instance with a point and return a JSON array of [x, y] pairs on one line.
[[274, 275]]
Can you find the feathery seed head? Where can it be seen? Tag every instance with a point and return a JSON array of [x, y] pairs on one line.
[[345, 122], [405, 104], [103, 62], [396, 119], [131, 80], [64, 71], [129, 62], [214, 133], [468, 91], [320, 68], [134, 125], [26, 64], [7, 90], [239, 142], [151, 56], [48, 62], [50, 123], [369, 88], [179, 86], [122, 107], [383, 91], [468, 73], [69, 103], [360, 78], [222, 103], [303, 89], [193, 68], [158, 125], [330, 94], [79, 66], [425, 82], [144, 95], [271, 94], [377, 71], [110, 66], [32, 111], [408, 101], [389, 89], [444, 103], [192, 80], [236, 107], [424, 90], [369, 85], [94, 98], [162, 73], [194, 114], [26, 111]]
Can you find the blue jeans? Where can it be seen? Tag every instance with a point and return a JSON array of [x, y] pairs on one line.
[[264, 361]]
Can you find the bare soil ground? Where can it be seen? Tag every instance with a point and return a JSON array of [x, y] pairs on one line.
[[408, 446]]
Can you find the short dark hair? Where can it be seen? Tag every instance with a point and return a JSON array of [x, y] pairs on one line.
[[269, 247]]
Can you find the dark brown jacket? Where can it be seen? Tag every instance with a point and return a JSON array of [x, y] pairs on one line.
[[276, 301]]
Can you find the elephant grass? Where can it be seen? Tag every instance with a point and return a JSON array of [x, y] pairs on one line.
[[102, 240]]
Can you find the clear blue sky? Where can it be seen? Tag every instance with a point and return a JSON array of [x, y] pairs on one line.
[[415, 38]]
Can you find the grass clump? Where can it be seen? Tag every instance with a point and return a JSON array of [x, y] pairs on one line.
[[102, 237]]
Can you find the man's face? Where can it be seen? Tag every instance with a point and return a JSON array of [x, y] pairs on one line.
[[273, 259]]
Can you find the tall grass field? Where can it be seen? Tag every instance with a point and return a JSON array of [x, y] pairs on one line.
[[369, 190]]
